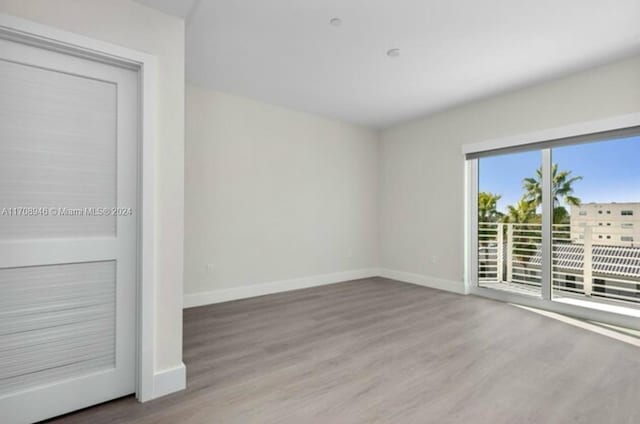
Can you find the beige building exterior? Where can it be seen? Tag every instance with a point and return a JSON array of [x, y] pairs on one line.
[[610, 224]]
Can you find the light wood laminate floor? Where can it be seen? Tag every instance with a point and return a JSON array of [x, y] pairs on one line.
[[380, 351]]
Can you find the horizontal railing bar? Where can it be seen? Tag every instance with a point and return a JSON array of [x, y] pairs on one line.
[[524, 274], [522, 280], [535, 279], [527, 269], [617, 288], [618, 280], [525, 282], [573, 282], [569, 282], [569, 289], [576, 283]]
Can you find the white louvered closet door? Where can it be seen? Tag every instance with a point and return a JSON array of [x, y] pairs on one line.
[[68, 159]]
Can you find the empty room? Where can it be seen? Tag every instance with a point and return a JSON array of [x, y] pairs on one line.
[[331, 211]]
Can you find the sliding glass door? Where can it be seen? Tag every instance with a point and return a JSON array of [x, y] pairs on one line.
[[559, 223], [596, 231]]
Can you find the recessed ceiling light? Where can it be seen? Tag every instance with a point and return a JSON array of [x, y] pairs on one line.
[[393, 52], [335, 21]]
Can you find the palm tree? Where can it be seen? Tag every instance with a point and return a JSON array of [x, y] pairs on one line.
[[562, 187], [561, 215], [488, 207], [523, 213]]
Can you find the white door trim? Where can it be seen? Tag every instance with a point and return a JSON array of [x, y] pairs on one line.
[[32, 33]]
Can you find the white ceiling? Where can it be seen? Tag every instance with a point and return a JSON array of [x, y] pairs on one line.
[[452, 51]]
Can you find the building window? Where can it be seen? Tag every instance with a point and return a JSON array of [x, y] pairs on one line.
[[626, 238], [600, 212], [627, 225], [582, 213], [600, 236], [608, 237], [626, 213], [600, 224], [608, 212]]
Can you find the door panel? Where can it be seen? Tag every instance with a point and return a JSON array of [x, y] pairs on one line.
[[57, 320], [68, 232], [58, 150]]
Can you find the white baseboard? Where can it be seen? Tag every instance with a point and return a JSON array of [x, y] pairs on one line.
[[225, 295], [169, 381], [425, 280]]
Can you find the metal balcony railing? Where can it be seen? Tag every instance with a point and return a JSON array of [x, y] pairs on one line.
[[509, 257]]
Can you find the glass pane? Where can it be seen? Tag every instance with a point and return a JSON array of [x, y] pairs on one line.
[[509, 222], [596, 231]]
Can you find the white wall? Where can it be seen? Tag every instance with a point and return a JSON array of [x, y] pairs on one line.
[[273, 194], [137, 27], [422, 167]]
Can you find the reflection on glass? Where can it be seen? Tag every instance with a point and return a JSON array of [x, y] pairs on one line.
[[596, 223], [509, 222]]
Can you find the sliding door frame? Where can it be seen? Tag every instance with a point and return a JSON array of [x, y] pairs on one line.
[[620, 126]]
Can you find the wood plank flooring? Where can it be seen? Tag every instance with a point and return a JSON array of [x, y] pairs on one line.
[[380, 351]]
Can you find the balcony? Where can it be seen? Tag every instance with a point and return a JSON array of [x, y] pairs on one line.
[[509, 258]]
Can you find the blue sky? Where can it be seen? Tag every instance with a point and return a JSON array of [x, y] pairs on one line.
[[610, 171]]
